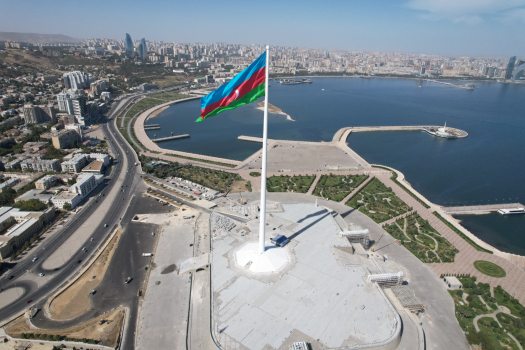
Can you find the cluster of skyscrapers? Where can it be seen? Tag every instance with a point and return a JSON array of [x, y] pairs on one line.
[[129, 48]]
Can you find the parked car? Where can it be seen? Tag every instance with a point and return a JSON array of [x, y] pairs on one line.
[[41, 274]]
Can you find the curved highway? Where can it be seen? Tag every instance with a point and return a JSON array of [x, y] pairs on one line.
[[124, 161]]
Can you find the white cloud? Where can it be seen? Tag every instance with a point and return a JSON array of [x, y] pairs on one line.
[[468, 11]]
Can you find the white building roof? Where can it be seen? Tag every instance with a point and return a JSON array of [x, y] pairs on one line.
[[21, 227]]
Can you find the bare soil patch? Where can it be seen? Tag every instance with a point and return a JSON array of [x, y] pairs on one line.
[[239, 186], [74, 301], [106, 333]]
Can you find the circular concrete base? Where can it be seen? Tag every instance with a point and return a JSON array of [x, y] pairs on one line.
[[272, 260]]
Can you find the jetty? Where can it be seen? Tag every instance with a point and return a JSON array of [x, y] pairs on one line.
[[468, 86], [427, 128], [170, 138], [152, 128], [250, 139], [480, 209], [150, 125]]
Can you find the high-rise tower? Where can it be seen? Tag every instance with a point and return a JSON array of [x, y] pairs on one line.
[[129, 46], [144, 48], [510, 67]]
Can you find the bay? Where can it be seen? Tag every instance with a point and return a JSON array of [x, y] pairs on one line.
[[486, 167]]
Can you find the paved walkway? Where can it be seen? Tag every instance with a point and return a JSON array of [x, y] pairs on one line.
[[391, 221], [312, 186], [357, 189], [513, 282]]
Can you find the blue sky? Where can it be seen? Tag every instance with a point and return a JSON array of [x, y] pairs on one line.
[[455, 27]]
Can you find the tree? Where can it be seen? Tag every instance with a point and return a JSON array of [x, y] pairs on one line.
[[66, 206]]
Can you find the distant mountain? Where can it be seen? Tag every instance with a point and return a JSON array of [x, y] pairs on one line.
[[35, 38]]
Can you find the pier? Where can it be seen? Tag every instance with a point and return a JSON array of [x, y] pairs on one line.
[[348, 130], [481, 209], [250, 139], [468, 86], [152, 128], [171, 138], [150, 125]]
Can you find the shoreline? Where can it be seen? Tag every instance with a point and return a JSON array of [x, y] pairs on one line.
[[156, 113], [345, 131]]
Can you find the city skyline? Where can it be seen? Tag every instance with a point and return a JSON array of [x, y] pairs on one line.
[[480, 28]]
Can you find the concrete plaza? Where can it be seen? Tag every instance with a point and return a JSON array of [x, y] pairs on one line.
[[317, 300]]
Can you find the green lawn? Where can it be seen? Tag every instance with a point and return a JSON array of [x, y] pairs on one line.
[[378, 202], [489, 269], [421, 239], [297, 184], [337, 187]]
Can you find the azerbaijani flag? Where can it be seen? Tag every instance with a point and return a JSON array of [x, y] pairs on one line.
[[247, 87]]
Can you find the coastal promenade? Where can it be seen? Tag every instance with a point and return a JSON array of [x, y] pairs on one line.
[[513, 282]]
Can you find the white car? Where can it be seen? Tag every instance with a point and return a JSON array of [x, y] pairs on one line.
[[41, 274]]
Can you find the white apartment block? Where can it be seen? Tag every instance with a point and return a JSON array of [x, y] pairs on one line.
[[76, 164]]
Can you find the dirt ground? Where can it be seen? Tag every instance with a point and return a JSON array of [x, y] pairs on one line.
[[74, 301], [168, 80], [157, 112], [106, 334], [239, 186], [17, 56]]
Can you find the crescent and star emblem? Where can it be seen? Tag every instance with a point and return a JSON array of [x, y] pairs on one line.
[[234, 97]]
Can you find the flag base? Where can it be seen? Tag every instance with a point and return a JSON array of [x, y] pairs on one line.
[[273, 260]]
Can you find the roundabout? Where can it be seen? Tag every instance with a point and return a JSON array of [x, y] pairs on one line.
[[489, 269]]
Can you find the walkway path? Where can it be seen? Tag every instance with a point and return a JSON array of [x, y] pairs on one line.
[[513, 282], [357, 189], [314, 183], [500, 309]]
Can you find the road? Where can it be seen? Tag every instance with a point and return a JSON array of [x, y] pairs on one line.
[[124, 161]]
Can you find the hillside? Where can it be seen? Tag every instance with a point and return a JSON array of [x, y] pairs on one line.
[[35, 38]]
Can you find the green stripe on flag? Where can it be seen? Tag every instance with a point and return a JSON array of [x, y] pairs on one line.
[[250, 97]]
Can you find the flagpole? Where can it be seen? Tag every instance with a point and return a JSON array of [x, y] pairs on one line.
[[262, 216]]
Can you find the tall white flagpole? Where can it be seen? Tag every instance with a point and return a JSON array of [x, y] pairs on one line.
[[262, 216]]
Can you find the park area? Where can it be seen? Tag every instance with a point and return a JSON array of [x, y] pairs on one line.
[[337, 187], [296, 184], [416, 234], [378, 202], [491, 318]]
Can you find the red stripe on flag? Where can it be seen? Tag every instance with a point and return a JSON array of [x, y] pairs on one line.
[[255, 80]]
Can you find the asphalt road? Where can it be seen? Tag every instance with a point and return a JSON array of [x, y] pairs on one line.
[[124, 155]]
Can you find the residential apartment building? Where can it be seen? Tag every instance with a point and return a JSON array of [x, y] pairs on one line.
[[46, 182], [38, 114], [66, 197], [85, 184], [9, 183], [65, 138], [41, 165], [76, 164]]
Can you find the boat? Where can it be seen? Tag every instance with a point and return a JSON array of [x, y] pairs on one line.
[[519, 210]]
